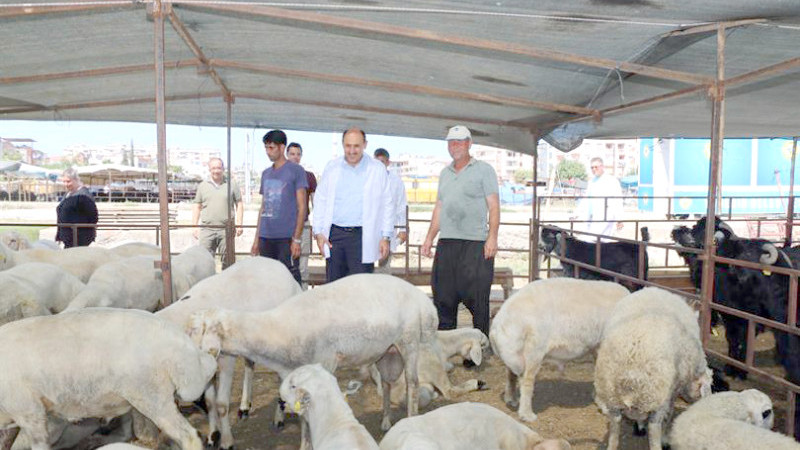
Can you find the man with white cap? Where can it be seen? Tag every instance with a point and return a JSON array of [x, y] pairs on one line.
[[467, 213]]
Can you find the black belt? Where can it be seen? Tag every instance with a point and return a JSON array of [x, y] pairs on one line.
[[347, 229]]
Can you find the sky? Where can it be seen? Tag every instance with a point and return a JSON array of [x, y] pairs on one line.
[[318, 148]]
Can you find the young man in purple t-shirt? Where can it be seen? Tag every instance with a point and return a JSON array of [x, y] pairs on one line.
[[283, 206]]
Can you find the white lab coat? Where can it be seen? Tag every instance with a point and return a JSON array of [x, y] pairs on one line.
[[604, 215], [378, 206], [398, 190]]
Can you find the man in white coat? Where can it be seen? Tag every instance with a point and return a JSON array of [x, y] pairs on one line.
[[353, 210], [400, 235], [602, 212]]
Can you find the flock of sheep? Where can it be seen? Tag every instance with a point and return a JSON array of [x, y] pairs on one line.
[[80, 341]]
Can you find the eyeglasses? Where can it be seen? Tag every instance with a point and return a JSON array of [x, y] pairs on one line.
[[595, 167]]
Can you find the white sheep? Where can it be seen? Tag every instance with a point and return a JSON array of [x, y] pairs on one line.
[[98, 363], [469, 343], [135, 283], [35, 289], [549, 321], [251, 284], [351, 322], [729, 420], [14, 240], [130, 283], [17, 241], [650, 354], [314, 394], [432, 367], [135, 248], [79, 261], [466, 425]]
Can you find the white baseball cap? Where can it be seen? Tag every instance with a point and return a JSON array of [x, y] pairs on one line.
[[458, 133]]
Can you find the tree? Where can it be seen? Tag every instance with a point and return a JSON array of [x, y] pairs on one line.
[[568, 169], [522, 175]]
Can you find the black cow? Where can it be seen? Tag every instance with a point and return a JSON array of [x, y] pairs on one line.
[[619, 257]]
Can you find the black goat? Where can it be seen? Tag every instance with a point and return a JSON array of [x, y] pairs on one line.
[[619, 257], [755, 291]]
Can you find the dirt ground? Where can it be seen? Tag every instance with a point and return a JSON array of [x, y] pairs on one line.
[[563, 402]]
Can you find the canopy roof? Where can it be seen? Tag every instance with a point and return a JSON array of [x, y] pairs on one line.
[[507, 69], [104, 173]]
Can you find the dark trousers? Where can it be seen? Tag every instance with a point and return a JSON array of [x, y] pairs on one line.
[[280, 249], [345, 254], [461, 274]]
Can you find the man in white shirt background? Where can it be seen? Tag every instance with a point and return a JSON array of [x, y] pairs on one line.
[[398, 189]]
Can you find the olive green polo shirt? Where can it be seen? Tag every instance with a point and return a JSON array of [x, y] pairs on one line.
[[464, 213], [211, 198]]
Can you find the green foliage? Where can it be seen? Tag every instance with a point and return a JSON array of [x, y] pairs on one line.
[[175, 169], [569, 169], [59, 165], [522, 175]]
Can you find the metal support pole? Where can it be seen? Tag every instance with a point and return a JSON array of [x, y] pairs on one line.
[[790, 211], [534, 250], [717, 134], [161, 126], [230, 228]]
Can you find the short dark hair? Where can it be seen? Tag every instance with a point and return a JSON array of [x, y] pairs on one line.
[[381, 152], [295, 144], [364, 135], [275, 137]]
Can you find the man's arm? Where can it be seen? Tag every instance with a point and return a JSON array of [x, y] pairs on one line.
[[195, 219], [490, 248], [320, 206], [297, 236], [254, 248], [401, 207], [239, 217], [433, 230]]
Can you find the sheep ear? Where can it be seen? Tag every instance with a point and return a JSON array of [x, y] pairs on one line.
[[475, 353]]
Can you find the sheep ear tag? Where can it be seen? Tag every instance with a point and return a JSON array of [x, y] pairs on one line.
[[298, 406], [766, 272]]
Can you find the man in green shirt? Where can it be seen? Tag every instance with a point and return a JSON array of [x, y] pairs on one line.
[[467, 213], [211, 208]]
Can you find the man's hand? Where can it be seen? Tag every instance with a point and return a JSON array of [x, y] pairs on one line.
[[196, 233], [426, 248], [322, 242], [295, 248], [620, 225], [402, 237], [254, 248], [239, 231], [384, 248], [490, 248]]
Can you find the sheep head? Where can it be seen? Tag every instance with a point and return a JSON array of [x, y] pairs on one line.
[[758, 407], [701, 386], [296, 389], [206, 330]]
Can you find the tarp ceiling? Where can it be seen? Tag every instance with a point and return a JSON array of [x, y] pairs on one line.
[[507, 69]]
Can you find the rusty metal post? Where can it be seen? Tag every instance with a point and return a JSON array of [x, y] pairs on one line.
[[230, 227], [534, 240], [717, 134], [790, 212], [161, 126]]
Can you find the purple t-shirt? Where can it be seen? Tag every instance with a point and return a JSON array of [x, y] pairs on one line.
[[279, 198]]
